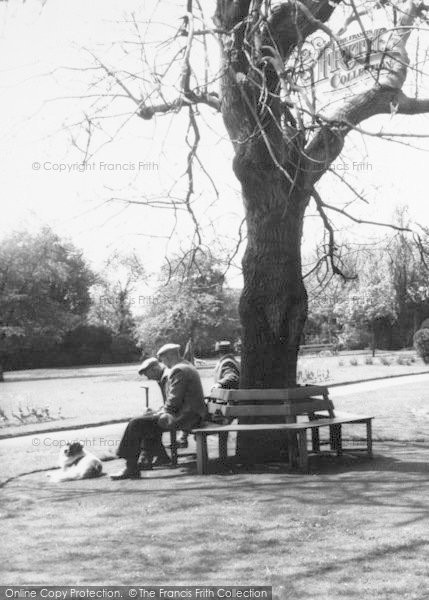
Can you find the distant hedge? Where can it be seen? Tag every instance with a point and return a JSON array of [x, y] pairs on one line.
[[84, 345]]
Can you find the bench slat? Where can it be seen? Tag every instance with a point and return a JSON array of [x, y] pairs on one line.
[[237, 396], [300, 429], [283, 426]]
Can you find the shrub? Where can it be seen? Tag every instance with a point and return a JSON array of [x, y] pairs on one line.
[[403, 360], [385, 361], [354, 362], [369, 360], [312, 377], [341, 363], [354, 338], [421, 344]]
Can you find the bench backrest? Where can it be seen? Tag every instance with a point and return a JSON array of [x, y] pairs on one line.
[[289, 402], [277, 395]]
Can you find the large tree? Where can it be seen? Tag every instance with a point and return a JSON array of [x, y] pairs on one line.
[[275, 57], [284, 142], [44, 290]]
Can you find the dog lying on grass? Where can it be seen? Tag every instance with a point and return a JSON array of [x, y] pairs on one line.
[[76, 463]]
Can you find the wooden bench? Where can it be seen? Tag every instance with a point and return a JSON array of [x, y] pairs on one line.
[[287, 403], [299, 429]]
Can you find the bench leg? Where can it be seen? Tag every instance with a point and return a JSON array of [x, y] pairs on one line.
[[202, 459], [173, 447], [332, 441], [336, 439], [315, 440], [292, 448], [302, 450], [223, 446], [369, 438]]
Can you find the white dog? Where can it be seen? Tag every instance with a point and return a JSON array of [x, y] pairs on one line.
[[76, 463]]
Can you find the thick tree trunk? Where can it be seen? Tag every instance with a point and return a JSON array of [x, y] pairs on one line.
[[273, 305], [273, 174]]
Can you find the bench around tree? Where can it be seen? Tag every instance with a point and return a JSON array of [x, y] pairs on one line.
[[285, 404], [300, 429]]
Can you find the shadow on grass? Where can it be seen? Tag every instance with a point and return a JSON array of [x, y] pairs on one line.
[[382, 552], [345, 481]]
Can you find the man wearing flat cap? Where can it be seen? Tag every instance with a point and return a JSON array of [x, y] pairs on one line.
[[227, 369], [152, 447], [153, 369], [184, 408]]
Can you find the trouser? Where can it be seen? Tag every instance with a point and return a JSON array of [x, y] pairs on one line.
[[142, 433]]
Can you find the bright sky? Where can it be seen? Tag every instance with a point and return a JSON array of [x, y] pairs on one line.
[[40, 101]]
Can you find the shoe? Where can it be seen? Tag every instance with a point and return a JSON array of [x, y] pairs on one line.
[[125, 474], [162, 461]]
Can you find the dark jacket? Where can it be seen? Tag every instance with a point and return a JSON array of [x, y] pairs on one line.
[[184, 396], [163, 384], [227, 372]]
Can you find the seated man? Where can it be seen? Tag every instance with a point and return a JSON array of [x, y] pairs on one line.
[[184, 408], [156, 371], [227, 369]]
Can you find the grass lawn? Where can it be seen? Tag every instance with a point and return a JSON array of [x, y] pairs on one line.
[[351, 529]]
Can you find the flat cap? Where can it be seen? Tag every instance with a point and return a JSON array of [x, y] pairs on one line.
[[147, 363], [167, 347]]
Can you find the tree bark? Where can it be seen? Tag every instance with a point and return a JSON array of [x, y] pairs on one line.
[[273, 304]]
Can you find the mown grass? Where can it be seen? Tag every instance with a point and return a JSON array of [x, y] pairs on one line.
[[351, 529], [354, 529]]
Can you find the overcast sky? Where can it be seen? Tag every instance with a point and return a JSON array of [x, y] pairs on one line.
[[40, 101]]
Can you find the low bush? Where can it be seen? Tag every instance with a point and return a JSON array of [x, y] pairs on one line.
[[354, 362], [307, 376], [403, 360], [421, 344], [369, 360], [385, 361]]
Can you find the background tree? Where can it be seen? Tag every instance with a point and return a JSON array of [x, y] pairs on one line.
[[113, 298], [193, 304], [410, 281], [370, 302], [384, 299], [327, 294], [114, 293], [44, 291]]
